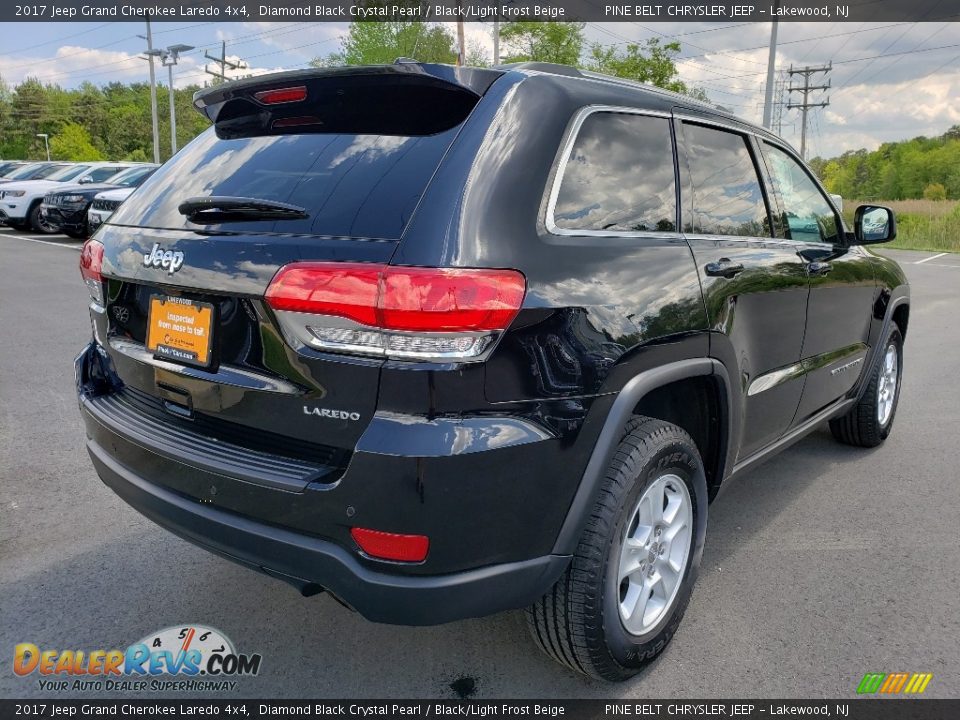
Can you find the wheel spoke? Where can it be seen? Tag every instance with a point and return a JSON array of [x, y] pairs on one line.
[[654, 550]]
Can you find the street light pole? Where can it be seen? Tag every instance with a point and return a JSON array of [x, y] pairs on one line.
[[771, 69], [46, 143], [169, 58], [153, 95]]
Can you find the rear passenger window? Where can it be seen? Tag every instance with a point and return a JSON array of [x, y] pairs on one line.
[[619, 176], [727, 196]]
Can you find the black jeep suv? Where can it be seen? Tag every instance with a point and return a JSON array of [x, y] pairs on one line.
[[448, 341]]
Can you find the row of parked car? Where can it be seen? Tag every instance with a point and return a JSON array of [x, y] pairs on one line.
[[65, 197]]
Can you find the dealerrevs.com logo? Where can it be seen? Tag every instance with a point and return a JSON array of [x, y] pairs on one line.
[[185, 657]]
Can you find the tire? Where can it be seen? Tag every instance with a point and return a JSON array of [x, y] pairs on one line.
[[38, 225], [579, 622], [81, 234], [869, 422]]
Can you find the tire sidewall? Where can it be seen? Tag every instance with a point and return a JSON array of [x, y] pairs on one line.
[[895, 339], [629, 650]]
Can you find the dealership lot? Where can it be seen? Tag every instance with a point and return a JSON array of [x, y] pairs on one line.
[[821, 565]]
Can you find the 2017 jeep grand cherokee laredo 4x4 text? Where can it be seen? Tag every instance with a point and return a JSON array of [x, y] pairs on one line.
[[448, 341]]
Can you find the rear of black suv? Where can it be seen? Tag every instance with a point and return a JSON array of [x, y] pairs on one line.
[[267, 382]]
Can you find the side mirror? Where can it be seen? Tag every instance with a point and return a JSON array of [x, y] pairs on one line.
[[874, 224], [85, 180]]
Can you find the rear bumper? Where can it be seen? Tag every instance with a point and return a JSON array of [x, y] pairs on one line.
[[311, 563], [291, 519]]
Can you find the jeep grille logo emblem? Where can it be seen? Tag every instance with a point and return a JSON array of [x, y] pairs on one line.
[[159, 258]]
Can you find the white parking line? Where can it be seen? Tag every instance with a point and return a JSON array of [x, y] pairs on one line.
[[49, 242], [932, 257]]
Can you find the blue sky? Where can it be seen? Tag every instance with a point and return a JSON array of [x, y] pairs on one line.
[[890, 80]]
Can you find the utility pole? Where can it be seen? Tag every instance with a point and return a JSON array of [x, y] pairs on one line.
[[223, 63], [153, 96], [806, 89], [461, 44], [771, 67], [496, 42], [779, 104]]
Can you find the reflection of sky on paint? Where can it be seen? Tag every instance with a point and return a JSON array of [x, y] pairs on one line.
[[726, 193], [619, 176], [675, 284]]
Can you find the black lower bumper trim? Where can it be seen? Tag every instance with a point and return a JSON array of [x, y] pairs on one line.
[[307, 561]]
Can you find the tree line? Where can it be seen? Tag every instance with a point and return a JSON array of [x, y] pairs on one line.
[[90, 122], [910, 169]]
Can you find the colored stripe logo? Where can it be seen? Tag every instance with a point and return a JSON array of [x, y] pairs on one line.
[[894, 683]]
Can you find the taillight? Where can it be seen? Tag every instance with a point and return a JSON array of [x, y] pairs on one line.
[[91, 263], [397, 312], [391, 546]]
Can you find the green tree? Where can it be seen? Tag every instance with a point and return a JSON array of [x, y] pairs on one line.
[[935, 191], [73, 143], [553, 42], [651, 63]]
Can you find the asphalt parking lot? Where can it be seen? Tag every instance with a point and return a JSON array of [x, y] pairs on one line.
[[823, 564]]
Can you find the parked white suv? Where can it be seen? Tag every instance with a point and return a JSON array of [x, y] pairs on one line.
[[20, 201], [104, 204]]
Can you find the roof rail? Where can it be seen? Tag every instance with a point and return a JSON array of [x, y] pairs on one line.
[[544, 67]]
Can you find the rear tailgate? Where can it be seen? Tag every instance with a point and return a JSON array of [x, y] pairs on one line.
[[356, 154]]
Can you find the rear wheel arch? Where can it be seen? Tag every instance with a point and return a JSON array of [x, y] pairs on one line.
[[901, 316], [651, 389], [698, 405]]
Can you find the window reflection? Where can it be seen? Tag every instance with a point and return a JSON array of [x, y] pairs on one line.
[[727, 197], [619, 176], [809, 217]]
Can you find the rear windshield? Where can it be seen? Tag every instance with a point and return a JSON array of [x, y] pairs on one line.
[[351, 185]]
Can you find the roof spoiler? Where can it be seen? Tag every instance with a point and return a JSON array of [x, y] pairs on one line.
[[320, 82]]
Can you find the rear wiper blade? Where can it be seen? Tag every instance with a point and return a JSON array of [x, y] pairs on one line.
[[215, 209]]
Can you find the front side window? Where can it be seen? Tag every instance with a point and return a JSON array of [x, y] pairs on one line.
[[619, 176], [809, 216], [727, 195]]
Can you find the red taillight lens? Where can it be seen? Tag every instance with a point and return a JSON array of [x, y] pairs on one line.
[[347, 290], [391, 546], [91, 260], [91, 264], [282, 95], [430, 300], [402, 312]]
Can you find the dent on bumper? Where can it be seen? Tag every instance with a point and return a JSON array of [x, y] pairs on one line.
[[308, 562]]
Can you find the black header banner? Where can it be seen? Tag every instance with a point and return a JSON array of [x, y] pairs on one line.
[[747, 709], [479, 10]]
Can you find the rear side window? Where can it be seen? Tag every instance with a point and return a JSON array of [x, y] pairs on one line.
[[351, 185], [727, 196], [619, 176]]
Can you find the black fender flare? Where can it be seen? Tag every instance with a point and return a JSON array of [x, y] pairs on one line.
[[900, 296], [612, 432]]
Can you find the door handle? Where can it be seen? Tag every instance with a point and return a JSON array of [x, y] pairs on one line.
[[723, 267], [818, 268]]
